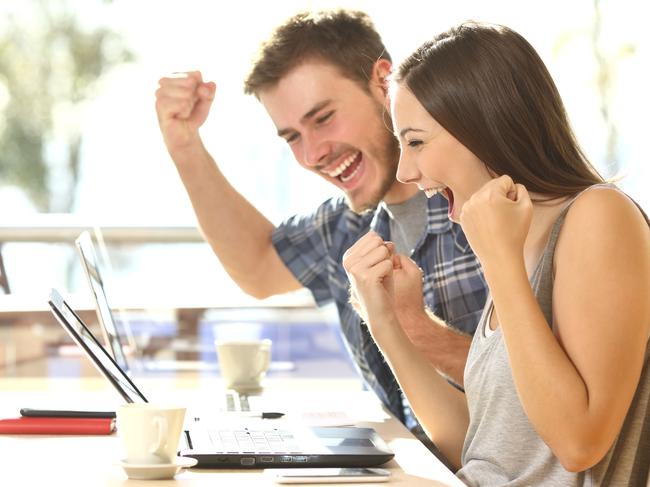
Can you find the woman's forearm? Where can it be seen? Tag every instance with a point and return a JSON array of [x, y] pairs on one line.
[[440, 408], [551, 390]]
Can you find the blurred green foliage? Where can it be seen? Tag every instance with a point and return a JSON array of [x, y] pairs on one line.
[[50, 65]]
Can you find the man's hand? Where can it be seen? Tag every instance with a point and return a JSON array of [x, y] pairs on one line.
[[407, 282], [183, 102]]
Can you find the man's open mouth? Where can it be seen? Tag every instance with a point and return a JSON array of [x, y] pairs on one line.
[[348, 168]]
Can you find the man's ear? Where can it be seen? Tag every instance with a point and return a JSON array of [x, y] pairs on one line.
[[381, 70]]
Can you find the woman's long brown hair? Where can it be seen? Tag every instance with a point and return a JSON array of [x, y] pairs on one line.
[[488, 87]]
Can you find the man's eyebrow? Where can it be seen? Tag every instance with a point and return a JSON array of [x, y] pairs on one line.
[[406, 130], [313, 111]]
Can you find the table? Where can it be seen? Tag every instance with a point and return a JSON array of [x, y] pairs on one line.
[[93, 460]]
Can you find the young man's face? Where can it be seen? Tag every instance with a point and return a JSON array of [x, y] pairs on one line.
[[337, 130]]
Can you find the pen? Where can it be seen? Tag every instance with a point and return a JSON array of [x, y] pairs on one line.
[[250, 414]]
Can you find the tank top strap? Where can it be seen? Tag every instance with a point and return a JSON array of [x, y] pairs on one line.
[[543, 275]]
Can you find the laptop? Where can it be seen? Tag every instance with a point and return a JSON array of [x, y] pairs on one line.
[[231, 401], [112, 336], [260, 444]]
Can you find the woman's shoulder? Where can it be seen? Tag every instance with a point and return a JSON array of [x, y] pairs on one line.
[[603, 207], [604, 218]]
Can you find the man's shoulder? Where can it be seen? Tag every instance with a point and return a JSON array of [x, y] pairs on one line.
[[337, 209], [333, 216]]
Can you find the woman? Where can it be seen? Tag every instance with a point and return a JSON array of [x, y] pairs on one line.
[[557, 381]]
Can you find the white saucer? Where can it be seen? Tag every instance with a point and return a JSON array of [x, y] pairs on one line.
[[157, 471]]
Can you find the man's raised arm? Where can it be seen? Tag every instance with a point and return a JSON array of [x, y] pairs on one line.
[[237, 232]]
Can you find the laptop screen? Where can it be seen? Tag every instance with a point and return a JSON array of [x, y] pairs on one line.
[[104, 315], [98, 354]]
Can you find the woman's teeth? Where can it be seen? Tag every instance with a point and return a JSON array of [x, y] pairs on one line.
[[431, 192]]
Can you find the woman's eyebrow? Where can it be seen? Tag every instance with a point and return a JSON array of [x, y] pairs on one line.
[[406, 130]]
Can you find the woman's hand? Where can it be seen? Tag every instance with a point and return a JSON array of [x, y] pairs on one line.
[[496, 220], [370, 264]]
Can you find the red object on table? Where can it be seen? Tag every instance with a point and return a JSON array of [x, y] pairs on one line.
[[57, 426]]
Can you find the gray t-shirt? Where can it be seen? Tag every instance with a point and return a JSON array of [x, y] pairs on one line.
[[408, 221], [503, 449]]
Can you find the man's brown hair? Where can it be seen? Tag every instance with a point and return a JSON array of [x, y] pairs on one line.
[[344, 38]]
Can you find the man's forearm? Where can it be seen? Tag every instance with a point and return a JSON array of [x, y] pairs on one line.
[[237, 232], [445, 348]]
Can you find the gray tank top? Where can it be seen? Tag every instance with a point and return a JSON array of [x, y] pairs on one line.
[[502, 448]]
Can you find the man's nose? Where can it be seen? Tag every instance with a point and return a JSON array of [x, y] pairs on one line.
[[315, 150]]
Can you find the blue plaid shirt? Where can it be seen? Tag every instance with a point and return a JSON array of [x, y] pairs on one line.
[[312, 247]]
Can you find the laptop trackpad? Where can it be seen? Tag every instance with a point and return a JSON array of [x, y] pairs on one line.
[[346, 445]]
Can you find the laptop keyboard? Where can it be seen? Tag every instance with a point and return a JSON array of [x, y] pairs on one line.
[[252, 441], [243, 440]]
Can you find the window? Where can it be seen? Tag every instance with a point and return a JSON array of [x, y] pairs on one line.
[[125, 175]]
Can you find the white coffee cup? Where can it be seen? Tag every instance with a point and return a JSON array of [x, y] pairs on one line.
[[243, 363], [150, 433]]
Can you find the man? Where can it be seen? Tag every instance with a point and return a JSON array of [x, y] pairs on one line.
[[322, 79]]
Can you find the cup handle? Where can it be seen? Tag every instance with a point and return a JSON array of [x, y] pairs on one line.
[[159, 445]]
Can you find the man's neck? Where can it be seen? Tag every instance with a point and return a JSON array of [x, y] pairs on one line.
[[399, 193]]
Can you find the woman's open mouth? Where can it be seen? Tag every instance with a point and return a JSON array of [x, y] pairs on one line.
[[449, 194], [431, 192]]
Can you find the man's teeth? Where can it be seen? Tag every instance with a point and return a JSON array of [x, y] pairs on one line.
[[343, 166], [345, 179]]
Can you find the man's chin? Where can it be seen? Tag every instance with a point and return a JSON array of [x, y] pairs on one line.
[[360, 206]]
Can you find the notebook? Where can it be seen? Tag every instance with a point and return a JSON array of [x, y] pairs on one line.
[[57, 426], [262, 444]]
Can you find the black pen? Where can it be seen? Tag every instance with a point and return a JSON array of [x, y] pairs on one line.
[[249, 414], [50, 413], [253, 414]]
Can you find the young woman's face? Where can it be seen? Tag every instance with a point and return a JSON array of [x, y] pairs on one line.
[[431, 157]]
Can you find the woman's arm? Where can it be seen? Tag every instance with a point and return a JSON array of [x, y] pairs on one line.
[[444, 347], [576, 386], [441, 409]]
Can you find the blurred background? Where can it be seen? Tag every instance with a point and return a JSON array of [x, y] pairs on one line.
[[80, 145]]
